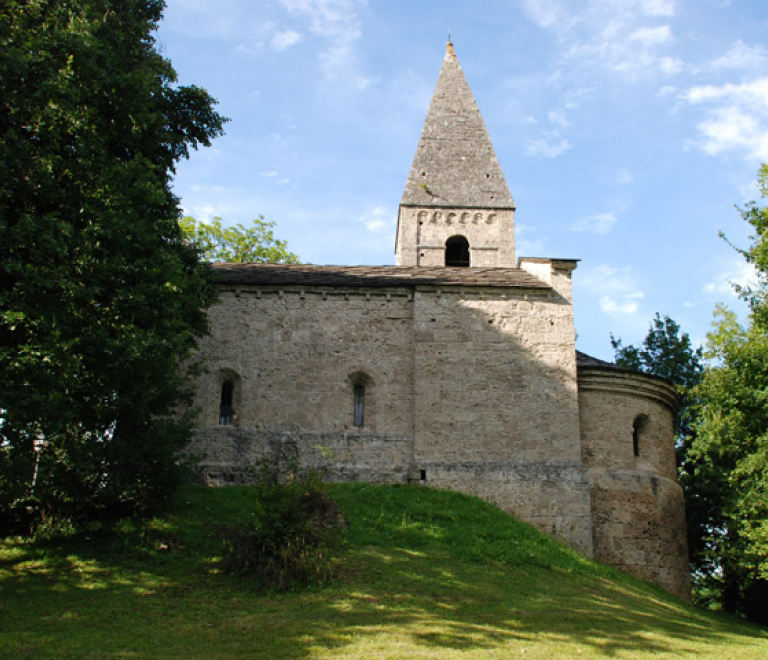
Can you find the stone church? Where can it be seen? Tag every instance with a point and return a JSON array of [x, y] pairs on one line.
[[456, 368]]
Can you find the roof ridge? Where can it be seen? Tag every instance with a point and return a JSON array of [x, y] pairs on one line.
[[374, 276]]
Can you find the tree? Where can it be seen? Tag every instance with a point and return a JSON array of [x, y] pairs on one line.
[[729, 455], [101, 298], [238, 244]]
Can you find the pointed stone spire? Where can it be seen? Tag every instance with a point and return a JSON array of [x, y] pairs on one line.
[[455, 164], [456, 209]]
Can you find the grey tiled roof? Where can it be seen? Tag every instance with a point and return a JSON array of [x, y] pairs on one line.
[[584, 360], [455, 164], [372, 276]]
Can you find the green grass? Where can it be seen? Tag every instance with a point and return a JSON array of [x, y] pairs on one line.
[[425, 574]]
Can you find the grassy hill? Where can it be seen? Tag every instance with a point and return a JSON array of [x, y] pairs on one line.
[[425, 574]]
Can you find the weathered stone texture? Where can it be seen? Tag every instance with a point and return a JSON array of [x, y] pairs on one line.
[[469, 376], [611, 402], [455, 164], [423, 233], [456, 186], [638, 514], [456, 378], [552, 495], [496, 377], [472, 388], [295, 352], [639, 527], [230, 456]]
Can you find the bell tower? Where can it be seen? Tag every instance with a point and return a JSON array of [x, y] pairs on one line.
[[456, 208]]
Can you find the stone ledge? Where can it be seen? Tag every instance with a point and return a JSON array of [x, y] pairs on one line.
[[611, 378]]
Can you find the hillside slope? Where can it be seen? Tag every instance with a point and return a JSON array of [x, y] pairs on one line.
[[425, 574]]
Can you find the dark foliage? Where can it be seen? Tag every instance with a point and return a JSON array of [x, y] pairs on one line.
[[101, 299], [292, 539]]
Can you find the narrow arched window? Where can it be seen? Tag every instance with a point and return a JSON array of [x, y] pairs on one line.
[[359, 411], [635, 439], [457, 251], [638, 426], [225, 406]]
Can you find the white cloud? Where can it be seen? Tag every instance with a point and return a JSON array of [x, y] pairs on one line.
[[337, 22], [741, 56], [549, 13], [669, 65], [737, 117], [601, 223], [563, 15], [658, 7], [275, 176], [208, 189], [667, 91], [619, 294], [740, 273], [203, 212], [625, 306], [755, 92], [548, 148], [552, 142], [378, 220], [652, 36], [623, 36], [527, 244], [558, 119], [730, 128], [285, 39]]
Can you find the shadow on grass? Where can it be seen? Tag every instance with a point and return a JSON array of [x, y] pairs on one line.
[[164, 598], [83, 607], [491, 608]]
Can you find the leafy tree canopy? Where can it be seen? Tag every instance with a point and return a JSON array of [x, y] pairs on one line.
[[728, 459], [238, 244], [665, 352], [101, 298]]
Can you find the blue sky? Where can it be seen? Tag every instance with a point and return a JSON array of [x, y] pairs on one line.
[[626, 129]]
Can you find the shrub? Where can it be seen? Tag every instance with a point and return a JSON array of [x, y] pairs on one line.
[[292, 539]]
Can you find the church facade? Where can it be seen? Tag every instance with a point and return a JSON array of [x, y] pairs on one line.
[[456, 368]]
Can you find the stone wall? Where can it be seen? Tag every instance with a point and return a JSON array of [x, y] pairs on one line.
[[639, 527], [471, 388], [295, 356], [496, 377], [497, 404], [424, 232], [552, 495], [638, 514]]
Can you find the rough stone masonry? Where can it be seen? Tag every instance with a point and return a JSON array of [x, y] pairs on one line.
[[456, 368]]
